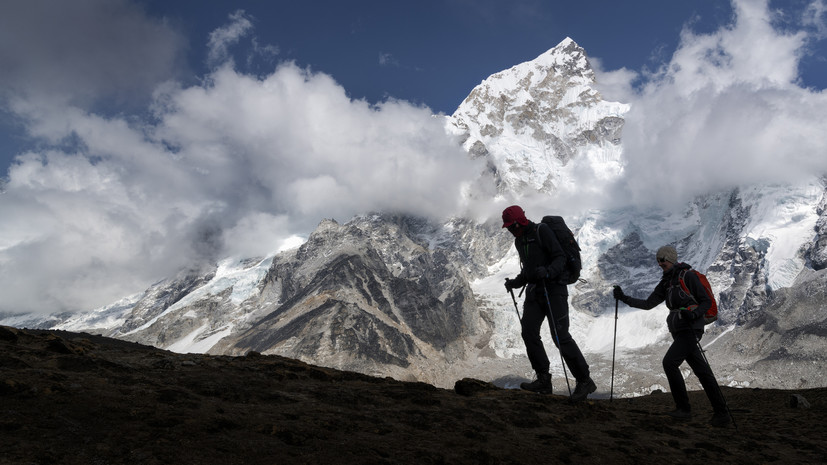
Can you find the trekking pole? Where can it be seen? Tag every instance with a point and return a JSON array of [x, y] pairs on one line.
[[516, 308], [553, 326], [614, 345], [720, 392]]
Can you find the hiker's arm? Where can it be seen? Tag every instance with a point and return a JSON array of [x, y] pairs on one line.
[[557, 258], [520, 280], [655, 298]]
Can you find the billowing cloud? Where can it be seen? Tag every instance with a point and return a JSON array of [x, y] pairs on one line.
[[727, 110], [241, 164], [237, 165]]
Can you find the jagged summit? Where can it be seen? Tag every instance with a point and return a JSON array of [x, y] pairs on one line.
[[545, 106], [566, 58], [566, 61]]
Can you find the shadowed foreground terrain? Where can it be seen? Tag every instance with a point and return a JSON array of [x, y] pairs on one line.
[[68, 398]]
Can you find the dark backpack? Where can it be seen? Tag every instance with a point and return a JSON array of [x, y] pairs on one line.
[[712, 313], [569, 244]]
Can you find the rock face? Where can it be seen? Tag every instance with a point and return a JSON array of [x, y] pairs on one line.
[[371, 295], [818, 252], [786, 342], [343, 299], [74, 398]]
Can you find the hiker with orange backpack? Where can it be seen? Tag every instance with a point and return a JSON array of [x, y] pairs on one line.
[[688, 300]]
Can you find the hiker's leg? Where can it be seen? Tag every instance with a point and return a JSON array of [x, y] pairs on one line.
[[568, 347], [533, 316], [682, 344], [704, 373]]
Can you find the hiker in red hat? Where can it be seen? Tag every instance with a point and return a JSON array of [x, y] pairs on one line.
[[543, 261]]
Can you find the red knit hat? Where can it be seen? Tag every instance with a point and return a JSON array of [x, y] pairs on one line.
[[514, 214]]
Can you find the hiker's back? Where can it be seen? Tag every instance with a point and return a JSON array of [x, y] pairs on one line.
[[569, 245]]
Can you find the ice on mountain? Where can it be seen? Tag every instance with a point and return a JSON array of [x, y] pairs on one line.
[[196, 343], [109, 316]]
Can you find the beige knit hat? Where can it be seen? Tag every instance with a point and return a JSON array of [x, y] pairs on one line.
[[668, 253]]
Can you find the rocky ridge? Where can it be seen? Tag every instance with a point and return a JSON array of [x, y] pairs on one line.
[[372, 295]]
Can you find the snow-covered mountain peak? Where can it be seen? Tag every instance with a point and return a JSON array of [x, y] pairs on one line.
[[566, 58], [545, 106]]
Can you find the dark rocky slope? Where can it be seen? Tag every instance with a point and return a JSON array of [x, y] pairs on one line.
[[81, 399]]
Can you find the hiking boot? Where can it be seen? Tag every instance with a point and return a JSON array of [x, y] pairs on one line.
[[542, 384], [720, 419], [582, 389], [680, 414]]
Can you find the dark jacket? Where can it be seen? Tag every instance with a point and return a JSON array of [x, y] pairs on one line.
[[547, 253], [669, 290]]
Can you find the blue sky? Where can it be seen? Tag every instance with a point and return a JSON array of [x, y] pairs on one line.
[[141, 137], [428, 53], [435, 52]]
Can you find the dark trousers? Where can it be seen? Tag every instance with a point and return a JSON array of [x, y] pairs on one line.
[[535, 310], [685, 348]]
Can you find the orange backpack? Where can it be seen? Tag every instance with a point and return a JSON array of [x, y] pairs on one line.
[[712, 313]]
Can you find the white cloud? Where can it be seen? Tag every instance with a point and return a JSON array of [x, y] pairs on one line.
[[236, 166], [726, 111], [224, 37], [814, 17]]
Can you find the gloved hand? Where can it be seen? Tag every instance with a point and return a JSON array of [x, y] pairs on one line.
[[510, 284], [618, 294], [541, 272], [688, 315]]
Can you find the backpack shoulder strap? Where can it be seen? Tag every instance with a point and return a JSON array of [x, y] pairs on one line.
[[539, 237], [685, 289]]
